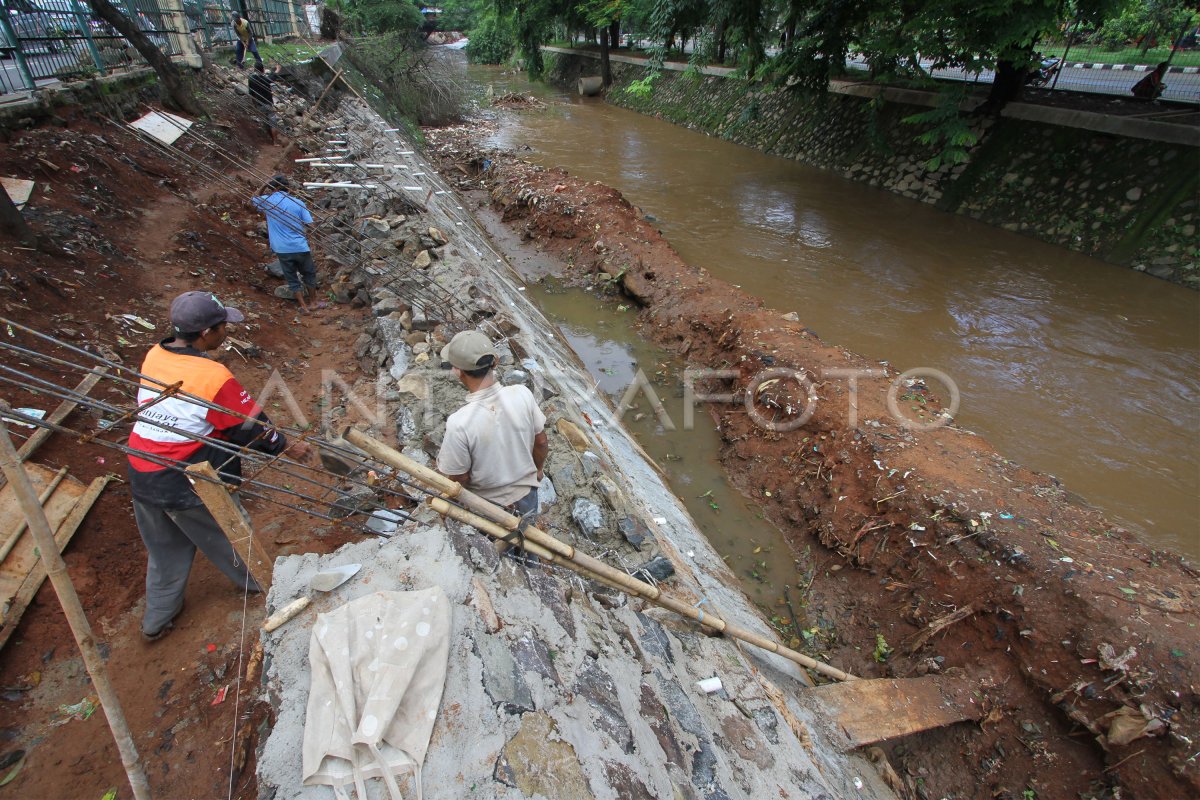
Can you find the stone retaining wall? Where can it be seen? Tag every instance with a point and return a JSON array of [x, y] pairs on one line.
[[556, 686], [1132, 201]]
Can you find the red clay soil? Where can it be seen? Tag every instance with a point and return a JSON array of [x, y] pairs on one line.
[[139, 230], [1083, 640]]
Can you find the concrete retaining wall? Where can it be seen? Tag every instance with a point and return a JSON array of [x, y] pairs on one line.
[[1124, 190]]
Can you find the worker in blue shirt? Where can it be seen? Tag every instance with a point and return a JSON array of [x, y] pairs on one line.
[[286, 218]]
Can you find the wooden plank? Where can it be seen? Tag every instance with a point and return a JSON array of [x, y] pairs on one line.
[[9, 539], [56, 418], [23, 556], [62, 412], [233, 521], [15, 608], [871, 711]]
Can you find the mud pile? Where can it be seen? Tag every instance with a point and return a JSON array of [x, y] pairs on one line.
[[937, 554]]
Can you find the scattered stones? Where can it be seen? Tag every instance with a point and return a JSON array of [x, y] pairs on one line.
[[539, 761], [659, 568], [502, 681], [587, 516], [388, 305], [423, 260], [634, 531]]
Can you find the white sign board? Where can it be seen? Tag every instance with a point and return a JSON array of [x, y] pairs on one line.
[[164, 127], [314, 19]]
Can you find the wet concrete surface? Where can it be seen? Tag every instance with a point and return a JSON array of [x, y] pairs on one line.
[[1067, 364]]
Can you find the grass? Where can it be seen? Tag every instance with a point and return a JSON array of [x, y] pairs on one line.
[[286, 52], [1128, 55]]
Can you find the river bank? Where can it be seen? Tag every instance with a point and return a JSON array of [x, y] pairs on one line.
[[957, 558]]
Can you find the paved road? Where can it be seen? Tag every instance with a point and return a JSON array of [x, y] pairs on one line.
[[1097, 81]]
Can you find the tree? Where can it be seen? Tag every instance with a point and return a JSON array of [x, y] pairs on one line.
[[175, 88]]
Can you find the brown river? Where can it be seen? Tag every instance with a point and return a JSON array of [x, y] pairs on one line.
[[1068, 365]]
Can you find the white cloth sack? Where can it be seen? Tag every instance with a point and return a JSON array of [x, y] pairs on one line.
[[378, 669]]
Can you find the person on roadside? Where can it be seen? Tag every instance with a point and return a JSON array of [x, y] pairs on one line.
[[495, 445], [1151, 86], [170, 516], [259, 87], [286, 218], [247, 42]]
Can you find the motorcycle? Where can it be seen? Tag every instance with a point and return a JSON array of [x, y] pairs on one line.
[[1041, 76]]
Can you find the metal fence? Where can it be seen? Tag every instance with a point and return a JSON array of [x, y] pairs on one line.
[[46, 41]]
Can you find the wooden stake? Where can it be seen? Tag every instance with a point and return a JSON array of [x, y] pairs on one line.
[[56, 569], [212, 492], [499, 523]]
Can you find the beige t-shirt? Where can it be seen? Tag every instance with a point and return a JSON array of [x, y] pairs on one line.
[[492, 438]]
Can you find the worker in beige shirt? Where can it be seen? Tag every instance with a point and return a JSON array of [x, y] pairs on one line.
[[495, 445]]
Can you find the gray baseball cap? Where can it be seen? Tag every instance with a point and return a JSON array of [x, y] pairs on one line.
[[469, 350], [193, 312]]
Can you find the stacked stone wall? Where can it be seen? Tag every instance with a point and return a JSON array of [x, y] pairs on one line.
[[1127, 200]]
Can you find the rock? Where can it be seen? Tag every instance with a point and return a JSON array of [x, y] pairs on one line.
[[361, 299], [437, 236], [388, 305], [516, 377], [659, 568], [532, 655], [598, 688], [416, 337], [423, 260], [502, 681], [415, 385], [573, 434], [375, 228], [420, 347], [587, 516], [611, 494], [357, 499], [274, 269], [547, 494], [589, 463], [634, 531], [1134, 194], [362, 344], [539, 761], [791, 316]]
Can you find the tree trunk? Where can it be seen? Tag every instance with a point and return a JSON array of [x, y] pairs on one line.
[[721, 43], [1006, 87], [175, 88], [13, 222], [614, 33], [605, 67]]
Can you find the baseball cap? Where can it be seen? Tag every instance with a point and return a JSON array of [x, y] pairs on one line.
[[468, 350], [193, 312]]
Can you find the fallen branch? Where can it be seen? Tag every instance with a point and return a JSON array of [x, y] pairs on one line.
[[939, 625]]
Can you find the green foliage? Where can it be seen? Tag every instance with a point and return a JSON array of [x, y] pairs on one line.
[[1143, 21], [492, 41], [643, 88], [946, 128], [882, 649], [388, 16]]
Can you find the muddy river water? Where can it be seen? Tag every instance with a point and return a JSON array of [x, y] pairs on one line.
[[1066, 364]]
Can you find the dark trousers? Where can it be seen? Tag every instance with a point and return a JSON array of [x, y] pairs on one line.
[[527, 506], [171, 539], [297, 266], [253, 48]]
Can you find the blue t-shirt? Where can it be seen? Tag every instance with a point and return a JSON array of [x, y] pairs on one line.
[[286, 218]]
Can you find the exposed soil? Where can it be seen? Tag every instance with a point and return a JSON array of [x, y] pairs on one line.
[[933, 553], [140, 228]]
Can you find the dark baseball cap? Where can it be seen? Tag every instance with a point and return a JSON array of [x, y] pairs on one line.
[[193, 312]]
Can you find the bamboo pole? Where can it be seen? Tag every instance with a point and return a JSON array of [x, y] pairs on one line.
[[11, 541], [479, 510], [56, 570], [232, 520]]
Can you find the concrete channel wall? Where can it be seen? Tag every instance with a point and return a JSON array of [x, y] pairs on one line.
[[556, 687], [1126, 190]]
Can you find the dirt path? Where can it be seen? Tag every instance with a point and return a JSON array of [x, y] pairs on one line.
[[141, 239], [930, 551]]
